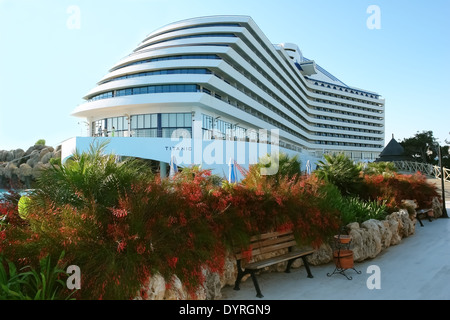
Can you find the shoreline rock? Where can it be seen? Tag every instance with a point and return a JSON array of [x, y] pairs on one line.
[[19, 168]]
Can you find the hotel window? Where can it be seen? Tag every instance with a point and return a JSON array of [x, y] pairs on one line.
[[192, 56], [172, 121], [144, 125], [149, 89], [207, 126], [96, 128], [240, 133], [252, 135]]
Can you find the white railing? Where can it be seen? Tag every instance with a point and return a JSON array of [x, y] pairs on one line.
[[425, 168]]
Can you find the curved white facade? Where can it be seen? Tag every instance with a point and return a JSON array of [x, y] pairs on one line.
[[223, 72]]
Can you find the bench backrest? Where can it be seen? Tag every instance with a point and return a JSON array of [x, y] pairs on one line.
[[268, 242]]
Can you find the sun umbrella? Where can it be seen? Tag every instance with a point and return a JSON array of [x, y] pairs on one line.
[[232, 174], [173, 167], [308, 167]]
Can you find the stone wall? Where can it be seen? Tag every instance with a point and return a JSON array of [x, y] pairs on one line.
[[368, 240]]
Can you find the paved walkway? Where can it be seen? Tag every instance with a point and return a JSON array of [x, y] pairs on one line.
[[418, 268], [438, 184]]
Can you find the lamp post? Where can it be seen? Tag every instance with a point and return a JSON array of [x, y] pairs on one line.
[[444, 209], [87, 127]]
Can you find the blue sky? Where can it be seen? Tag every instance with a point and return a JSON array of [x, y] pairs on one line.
[[46, 67]]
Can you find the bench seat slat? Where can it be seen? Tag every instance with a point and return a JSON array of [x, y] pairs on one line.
[[270, 241], [274, 247], [263, 250], [255, 245], [271, 261], [270, 235]]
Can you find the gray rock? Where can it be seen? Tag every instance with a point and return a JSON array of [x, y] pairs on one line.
[[39, 147], [437, 207], [37, 170], [29, 150], [394, 227], [46, 158], [57, 154], [176, 290], [34, 158], [212, 285], [408, 224], [9, 170], [230, 270], [25, 174], [25, 170], [18, 153], [322, 255], [9, 156], [365, 242], [43, 153], [155, 289]]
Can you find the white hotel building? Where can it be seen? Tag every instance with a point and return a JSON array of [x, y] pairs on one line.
[[222, 80]]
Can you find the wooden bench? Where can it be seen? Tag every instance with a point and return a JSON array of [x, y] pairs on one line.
[[423, 212], [269, 243]]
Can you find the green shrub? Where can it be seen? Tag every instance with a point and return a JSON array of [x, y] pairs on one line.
[[44, 283], [40, 142], [354, 209], [339, 170], [10, 281], [272, 169], [380, 168]]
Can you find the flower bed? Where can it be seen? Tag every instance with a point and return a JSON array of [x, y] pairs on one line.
[[127, 229]]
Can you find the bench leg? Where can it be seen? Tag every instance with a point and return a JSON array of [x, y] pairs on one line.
[[289, 264], [239, 277], [420, 220], [238, 281], [256, 284], [305, 262]]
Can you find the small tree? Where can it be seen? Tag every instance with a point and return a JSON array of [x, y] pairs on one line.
[[40, 142], [422, 147]]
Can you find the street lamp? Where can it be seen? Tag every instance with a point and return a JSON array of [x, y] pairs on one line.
[[444, 209], [87, 127]]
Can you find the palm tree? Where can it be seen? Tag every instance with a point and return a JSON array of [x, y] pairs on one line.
[[281, 167], [339, 170], [90, 179], [380, 168]]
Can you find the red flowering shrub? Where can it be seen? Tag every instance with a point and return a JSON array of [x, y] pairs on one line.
[[120, 226], [307, 204], [393, 188], [264, 204], [161, 226]]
